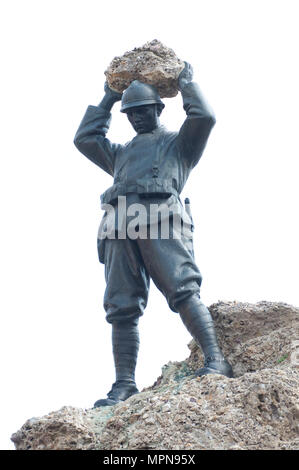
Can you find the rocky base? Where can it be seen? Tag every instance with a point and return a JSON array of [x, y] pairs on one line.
[[256, 410], [152, 63]]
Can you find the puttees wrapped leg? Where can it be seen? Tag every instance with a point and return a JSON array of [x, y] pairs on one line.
[[125, 344]]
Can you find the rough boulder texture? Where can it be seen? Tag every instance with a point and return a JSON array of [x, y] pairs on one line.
[[153, 63], [258, 409]]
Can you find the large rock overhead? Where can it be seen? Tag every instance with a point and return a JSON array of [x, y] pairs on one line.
[[152, 63]]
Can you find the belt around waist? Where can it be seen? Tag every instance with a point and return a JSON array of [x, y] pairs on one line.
[[144, 187]]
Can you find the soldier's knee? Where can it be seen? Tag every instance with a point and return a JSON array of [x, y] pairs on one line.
[[184, 290], [123, 314], [125, 322]]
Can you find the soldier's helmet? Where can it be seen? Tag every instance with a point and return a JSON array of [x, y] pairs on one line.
[[139, 94]]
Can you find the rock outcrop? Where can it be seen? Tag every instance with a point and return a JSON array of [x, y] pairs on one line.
[[258, 409], [152, 63]]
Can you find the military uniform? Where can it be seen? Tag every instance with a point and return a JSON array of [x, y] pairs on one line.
[[150, 169]]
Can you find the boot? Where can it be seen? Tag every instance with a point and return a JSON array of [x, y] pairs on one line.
[[125, 345], [120, 391], [198, 321]]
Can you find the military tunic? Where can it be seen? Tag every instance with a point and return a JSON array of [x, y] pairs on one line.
[[150, 169]]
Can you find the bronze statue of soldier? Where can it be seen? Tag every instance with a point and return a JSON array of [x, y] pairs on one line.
[[150, 169]]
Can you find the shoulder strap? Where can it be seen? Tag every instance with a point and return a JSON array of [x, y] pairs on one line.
[[157, 159]]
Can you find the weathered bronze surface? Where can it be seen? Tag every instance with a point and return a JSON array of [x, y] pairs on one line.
[[148, 171]]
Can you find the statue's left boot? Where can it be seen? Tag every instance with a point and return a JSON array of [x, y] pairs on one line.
[[120, 391], [198, 321], [125, 344]]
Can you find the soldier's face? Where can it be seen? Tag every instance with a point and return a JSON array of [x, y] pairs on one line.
[[143, 118]]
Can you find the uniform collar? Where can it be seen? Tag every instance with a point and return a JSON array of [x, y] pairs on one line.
[[156, 131]]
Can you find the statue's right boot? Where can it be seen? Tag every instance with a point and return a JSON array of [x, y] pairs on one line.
[[125, 345], [198, 321]]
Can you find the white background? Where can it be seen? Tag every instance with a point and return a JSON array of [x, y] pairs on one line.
[[55, 342]]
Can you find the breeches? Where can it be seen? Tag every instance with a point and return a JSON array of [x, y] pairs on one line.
[[129, 265]]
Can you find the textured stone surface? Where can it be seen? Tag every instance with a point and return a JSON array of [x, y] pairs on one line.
[[256, 410], [153, 63]]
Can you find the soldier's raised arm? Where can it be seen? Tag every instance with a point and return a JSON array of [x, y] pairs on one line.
[[90, 138], [200, 119]]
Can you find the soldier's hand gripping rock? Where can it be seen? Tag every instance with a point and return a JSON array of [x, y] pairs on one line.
[[185, 76], [110, 97]]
